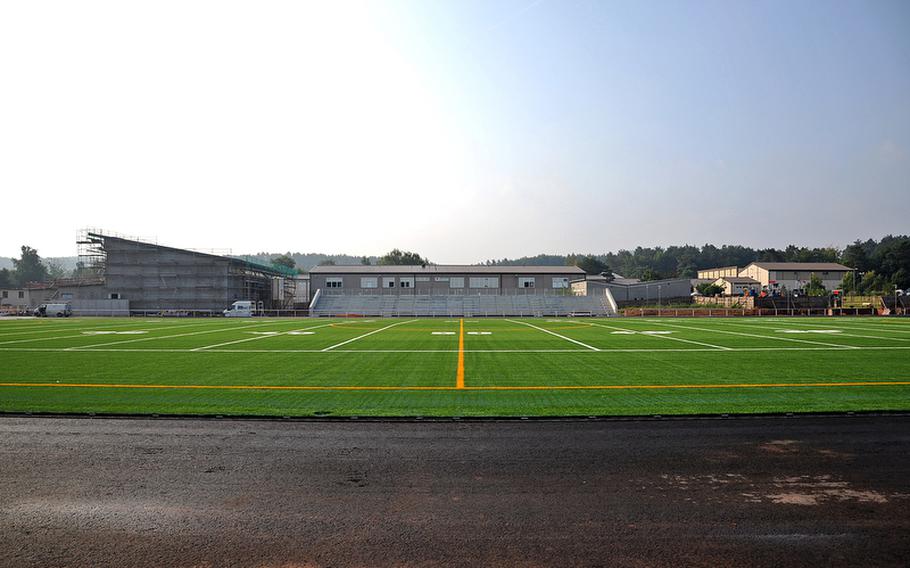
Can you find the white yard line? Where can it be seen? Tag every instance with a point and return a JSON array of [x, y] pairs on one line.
[[244, 340], [761, 336], [232, 328], [576, 342], [847, 326], [80, 335], [74, 326], [832, 327], [663, 336], [366, 335]]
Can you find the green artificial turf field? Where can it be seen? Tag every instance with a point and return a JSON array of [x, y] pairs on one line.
[[454, 367]]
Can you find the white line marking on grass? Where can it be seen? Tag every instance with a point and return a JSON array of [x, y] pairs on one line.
[[626, 331], [761, 336], [207, 347], [555, 334], [73, 326], [849, 326], [72, 336], [442, 333], [366, 335], [839, 331], [90, 347]]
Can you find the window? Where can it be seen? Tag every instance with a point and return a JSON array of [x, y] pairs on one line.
[[113, 296], [388, 282], [423, 278], [334, 282], [560, 282], [526, 281], [6, 294], [406, 282], [369, 282], [21, 294], [456, 282], [484, 282]]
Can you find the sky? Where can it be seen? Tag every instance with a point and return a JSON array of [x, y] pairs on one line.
[[463, 130]]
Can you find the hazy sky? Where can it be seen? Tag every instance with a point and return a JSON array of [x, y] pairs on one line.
[[462, 130]]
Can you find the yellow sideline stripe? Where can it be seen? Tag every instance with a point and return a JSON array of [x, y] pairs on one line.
[[444, 388], [459, 375]]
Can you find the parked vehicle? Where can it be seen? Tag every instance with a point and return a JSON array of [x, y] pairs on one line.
[[53, 310], [243, 309]]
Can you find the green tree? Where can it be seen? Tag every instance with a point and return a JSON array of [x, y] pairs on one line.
[[365, 260], [285, 260], [815, 286], [709, 289], [6, 278], [55, 270], [327, 262], [29, 267], [590, 264], [396, 257]]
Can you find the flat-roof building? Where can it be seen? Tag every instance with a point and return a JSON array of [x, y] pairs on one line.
[[443, 280]]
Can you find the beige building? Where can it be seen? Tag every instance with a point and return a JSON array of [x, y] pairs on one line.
[[715, 273], [738, 285], [796, 275], [776, 276]]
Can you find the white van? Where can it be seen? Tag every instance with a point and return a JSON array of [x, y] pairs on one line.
[[53, 310], [243, 309]]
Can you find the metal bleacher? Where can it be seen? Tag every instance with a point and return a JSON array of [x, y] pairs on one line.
[[487, 305]]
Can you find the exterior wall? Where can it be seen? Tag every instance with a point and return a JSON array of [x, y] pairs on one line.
[[654, 290], [162, 278], [793, 279], [737, 288], [439, 284], [715, 273], [755, 273], [22, 298], [15, 297]]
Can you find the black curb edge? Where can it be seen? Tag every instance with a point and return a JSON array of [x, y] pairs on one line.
[[455, 419]]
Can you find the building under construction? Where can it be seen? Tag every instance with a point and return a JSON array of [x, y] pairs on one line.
[[152, 277]]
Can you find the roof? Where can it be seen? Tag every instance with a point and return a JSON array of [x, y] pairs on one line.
[[804, 266], [444, 269], [738, 280], [270, 270]]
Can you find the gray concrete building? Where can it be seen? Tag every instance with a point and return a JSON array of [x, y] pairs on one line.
[[443, 280], [155, 277]]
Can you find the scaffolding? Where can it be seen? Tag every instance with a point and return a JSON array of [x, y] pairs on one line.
[[156, 277]]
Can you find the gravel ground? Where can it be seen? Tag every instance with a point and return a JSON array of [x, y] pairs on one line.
[[740, 492]]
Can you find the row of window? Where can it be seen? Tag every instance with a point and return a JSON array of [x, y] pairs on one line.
[[454, 282], [5, 294]]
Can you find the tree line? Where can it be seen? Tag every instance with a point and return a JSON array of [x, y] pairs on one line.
[[881, 265]]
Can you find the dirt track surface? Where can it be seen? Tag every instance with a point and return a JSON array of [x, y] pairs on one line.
[[743, 492]]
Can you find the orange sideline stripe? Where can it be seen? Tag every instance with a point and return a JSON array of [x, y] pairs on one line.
[[443, 388], [459, 375]]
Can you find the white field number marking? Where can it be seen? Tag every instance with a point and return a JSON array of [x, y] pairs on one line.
[[113, 332], [660, 332], [282, 332]]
